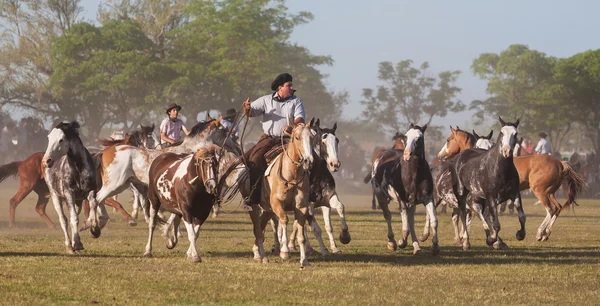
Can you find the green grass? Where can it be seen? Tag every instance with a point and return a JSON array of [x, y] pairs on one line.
[[564, 270]]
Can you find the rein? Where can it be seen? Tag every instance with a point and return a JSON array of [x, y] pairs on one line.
[[289, 184]]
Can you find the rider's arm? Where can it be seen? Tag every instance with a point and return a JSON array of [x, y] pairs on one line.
[[257, 107], [185, 130], [164, 138], [299, 114]]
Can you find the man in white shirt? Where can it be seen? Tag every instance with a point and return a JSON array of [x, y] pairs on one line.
[[227, 119], [543, 146], [275, 109]]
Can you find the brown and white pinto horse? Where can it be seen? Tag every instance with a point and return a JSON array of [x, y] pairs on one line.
[[31, 178], [184, 185], [399, 144], [541, 173]]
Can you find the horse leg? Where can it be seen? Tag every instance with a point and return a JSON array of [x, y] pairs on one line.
[[519, 205], [40, 207], [116, 205], [63, 221], [274, 226], [135, 205], [546, 234], [25, 188], [431, 214], [189, 226], [259, 238], [502, 207], [462, 207], [326, 211], [410, 211], [170, 231], [316, 229], [383, 203], [543, 198], [495, 239], [74, 221], [373, 202], [300, 215], [151, 218], [293, 235], [284, 251], [405, 226], [426, 228], [335, 203]]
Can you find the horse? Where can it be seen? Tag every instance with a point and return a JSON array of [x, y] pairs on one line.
[[544, 175], [399, 144], [185, 185], [406, 179], [485, 142], [124, 166], [71, 177], [326, 161], [486, 178], [31, 178]]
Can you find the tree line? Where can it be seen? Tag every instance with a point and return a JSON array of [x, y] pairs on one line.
[[144, 54]]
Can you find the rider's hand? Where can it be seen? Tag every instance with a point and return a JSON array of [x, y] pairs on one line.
[[246, 105], [287, 130]]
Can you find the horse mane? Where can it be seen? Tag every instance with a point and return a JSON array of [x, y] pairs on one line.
[[470, 137], [199, 128], [107, 142], [69, 128]]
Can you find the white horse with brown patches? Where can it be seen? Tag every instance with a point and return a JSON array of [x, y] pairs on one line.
[[124, 166]]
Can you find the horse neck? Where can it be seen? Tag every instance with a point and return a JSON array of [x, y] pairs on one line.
[[291, 158], [399, 145], [80, 156], [469, 142]]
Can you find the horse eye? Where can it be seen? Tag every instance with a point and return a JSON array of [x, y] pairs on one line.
[[60, 141], [324, 136]]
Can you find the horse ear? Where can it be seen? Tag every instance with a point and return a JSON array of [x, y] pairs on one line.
[[502, 121], [411, 126], [153, 126], [424, 128], [517, 123], [318, 122], [490, 135], [311, 122], [475, 134], [208, 117], [452, 130], [75, 124], [334, 127]]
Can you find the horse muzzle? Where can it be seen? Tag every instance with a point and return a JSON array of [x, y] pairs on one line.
[[47, 162], [307, 163], [211, 186], [407, 155], [506, 151], [334, 167]]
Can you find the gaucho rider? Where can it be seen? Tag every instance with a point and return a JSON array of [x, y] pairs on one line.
[[275, 109]]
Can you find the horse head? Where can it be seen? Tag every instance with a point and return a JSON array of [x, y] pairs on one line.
[[415, 143], [206, 161], [483, 142], [458, 140], [60, 140], [326, 145], [301, 145], [508, 137]]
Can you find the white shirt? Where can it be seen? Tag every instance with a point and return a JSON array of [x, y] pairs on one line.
[[229, 126], [543, 147], [276, 115]]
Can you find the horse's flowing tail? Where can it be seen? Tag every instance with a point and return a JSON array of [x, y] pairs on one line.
[[575, 183], [97, 158], [367, 178], [11, 169]]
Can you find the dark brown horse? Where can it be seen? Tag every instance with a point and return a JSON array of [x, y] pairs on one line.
[[399, 144], [31, 178], [185, 185]]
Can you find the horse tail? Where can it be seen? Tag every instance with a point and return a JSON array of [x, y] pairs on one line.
[[11, 169], [575, 183], [97, 158], [367, 178]]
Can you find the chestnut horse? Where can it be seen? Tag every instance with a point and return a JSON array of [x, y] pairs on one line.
[[31, 178], [399, 144], [541, 173]]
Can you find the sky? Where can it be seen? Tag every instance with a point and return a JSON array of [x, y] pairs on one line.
[[448, 34]]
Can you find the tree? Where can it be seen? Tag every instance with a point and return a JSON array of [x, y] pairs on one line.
[[410, 95], [521, 84]]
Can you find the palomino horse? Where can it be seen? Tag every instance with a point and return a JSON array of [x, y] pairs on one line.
[[285, 186], [184, 185], [71, 177], [124, 166], [322, 182], [399, 144], [407, 180], [31, 178], [544, 175], [486, 178]]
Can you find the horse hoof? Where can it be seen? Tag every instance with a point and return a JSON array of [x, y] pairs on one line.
[[304, 264], [284, 255], [435, 249], [95, 231], [148, 255], [466, 246], [70, 250], [265, 260], [335, 250], [311, 251], [345, 237], [292, 248], [539, 237], [171, 244], [490, 241], [417, 252], [545, 238], [424, 238], [78, 247], [132, 223], [500, 245], [195, 259], [520, 235], [392, 246], [402, 244], [275, 251]]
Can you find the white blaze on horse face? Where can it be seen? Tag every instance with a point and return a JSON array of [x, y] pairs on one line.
[[516, 150], [483, 143], [306, 148], [509, 139], [444, 151], [57, 147], [412, 136], [333, 159], [210, 182]]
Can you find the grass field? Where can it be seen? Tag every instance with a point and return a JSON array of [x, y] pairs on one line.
[[565, 270]]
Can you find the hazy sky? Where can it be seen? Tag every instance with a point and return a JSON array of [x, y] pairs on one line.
[[447, 34]]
